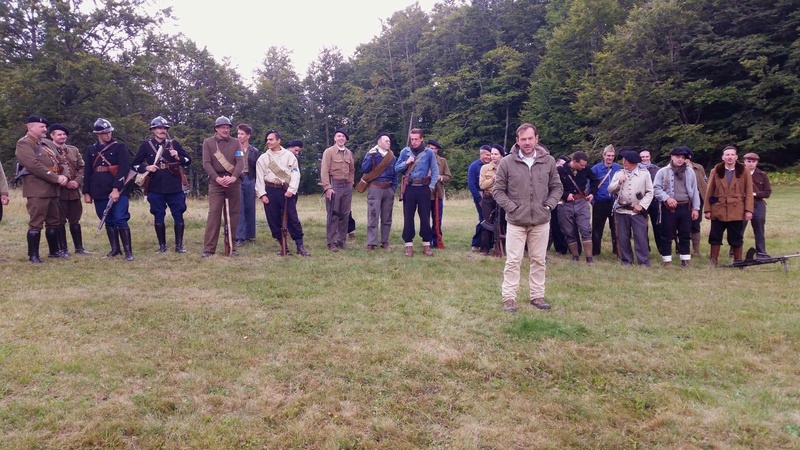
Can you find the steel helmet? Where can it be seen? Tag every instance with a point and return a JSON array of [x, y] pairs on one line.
[[102, 126], [222, 120], [159, 122]]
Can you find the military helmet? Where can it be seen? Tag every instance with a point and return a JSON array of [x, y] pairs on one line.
[[159, 122], [102, 126], [222, 120]]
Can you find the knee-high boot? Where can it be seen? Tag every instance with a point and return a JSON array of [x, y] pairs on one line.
[[34, 237], [715, 254], [161, 235], [737, 253], [179, 227], [113, 239], [51, 235], [62, 241], [77, 238], [125, 237]]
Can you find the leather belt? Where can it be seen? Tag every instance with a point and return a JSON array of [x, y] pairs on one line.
[[379, 185], [101, 169], [275, 185]]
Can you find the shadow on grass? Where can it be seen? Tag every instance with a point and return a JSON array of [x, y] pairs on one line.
[[534, 329]]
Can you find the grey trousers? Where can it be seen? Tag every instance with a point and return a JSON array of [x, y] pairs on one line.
[[635, 225], [758, 222], [339, 212], [379, 207], [575, 217]]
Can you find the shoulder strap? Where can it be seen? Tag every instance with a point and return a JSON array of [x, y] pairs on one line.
[[378, 170], [223, 160]]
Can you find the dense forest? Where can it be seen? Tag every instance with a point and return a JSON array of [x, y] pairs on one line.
[[588, 73]]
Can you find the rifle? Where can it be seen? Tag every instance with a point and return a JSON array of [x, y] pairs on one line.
[[285, 229], [436, 222], [131, 175], [499, 247], [226, 216], [751, 260]]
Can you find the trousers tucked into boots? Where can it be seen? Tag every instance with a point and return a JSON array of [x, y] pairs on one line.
[[113, 239], [34, 237], [125, 237], [77, 238], [715, 254], [161, 235], [179, 238], [51, 235]]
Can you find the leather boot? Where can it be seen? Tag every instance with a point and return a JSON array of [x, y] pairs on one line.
[[426, 250], [715, 254], [409, 251], [696, 243], [301, 249], [34, 237], [113, 239], [587, 250], [179, 227], [77, 238], [62, 241], [737, 254], [51, 235], [573, 250], [125, 237], [161, 235]]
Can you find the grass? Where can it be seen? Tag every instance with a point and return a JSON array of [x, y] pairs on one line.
[[373, 350]]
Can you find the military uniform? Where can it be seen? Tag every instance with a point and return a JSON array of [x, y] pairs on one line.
[[230, 152], [70, 207], [165, 187], [40, 186], [276, 174], [106, 168], [438, 195], [338, 172]]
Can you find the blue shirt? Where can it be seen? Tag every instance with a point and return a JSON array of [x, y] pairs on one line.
[[600, 170], [473, 178], [425, 164], [373, 160]]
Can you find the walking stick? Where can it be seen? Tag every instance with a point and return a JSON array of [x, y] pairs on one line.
[[437, 226]]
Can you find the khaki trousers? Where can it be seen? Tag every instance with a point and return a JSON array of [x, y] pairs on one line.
[[536, 237], [216, 200]]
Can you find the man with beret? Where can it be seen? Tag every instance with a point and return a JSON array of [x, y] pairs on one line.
[[634, 190], [675, 186], [654, 211], [378, 166], [223, 161], [3, 194], [437, 198], [277, 181], [70, 207], [41, 183], [762, 189], [246, 231], [702, 185], [603, 202], [730, 203], [420, 171], [107, 164], [337, 173], [574, 215], [473, 183], [165, 188], [295, 146]]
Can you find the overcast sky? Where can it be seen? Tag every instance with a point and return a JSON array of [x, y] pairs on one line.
[[244, 29]]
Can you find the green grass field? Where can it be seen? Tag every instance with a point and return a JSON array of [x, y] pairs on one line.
[[365, 349]]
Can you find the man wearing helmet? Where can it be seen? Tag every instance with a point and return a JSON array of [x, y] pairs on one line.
[[223, 161], [106, 168], [162, 159], [41, 178]]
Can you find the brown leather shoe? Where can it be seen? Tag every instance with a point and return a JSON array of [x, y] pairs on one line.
[[539, 303], [510, 306], [409, 251], [370, 247], [333, 248], [426, 250], [207, 254], [386, 246]]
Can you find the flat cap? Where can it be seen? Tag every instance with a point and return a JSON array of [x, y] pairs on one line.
[[751, 155], [682, 150]]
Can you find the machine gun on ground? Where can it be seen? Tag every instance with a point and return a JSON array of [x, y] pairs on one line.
[[752, 260]]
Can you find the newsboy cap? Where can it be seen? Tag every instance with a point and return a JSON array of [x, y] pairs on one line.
[[751, 155], [682, 150]]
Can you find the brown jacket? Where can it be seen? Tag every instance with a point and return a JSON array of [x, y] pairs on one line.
[[230, 149], [486, 180], [74, 171], [728, 203], [337, 165], [702, 182], [42, 182], [444, 178], [761, 185]]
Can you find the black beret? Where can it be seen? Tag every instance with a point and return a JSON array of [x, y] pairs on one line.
[[500, 147], [682, 150], [36, 119], [382, 134], [295, 143], [58, 126], [631, 156], [435, 143], [341, 130]]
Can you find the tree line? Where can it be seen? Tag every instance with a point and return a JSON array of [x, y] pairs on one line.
[[654, 74]]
